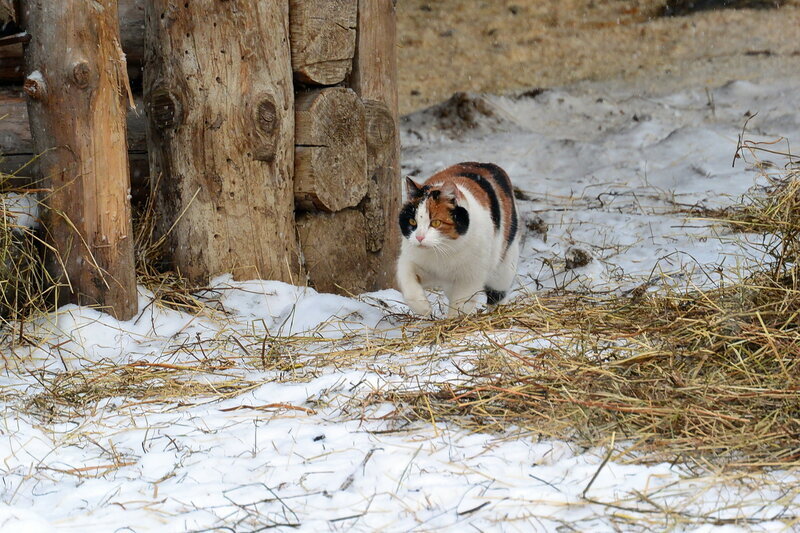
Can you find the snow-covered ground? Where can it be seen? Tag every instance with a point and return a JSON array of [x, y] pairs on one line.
[[267, 432]]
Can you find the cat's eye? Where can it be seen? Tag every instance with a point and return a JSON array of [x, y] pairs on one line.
[[413, 222], [436, 223]]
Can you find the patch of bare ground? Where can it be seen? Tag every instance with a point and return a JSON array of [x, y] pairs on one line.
[[502, 46]]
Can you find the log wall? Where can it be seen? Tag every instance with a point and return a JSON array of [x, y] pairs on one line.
[[337, 139]]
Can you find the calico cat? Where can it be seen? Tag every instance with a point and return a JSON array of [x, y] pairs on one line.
[[460, 232]]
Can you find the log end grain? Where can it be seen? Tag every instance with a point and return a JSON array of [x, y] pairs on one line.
[[323, 39], [331, 150]]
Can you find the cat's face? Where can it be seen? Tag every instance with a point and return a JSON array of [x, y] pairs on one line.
[[432, 218]]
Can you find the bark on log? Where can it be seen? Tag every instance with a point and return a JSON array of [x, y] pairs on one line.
[[323, 36], [374, 79], [219, 97], [334, 247], [78, 90], [331, 153]]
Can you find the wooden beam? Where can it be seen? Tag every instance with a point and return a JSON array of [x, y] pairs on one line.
[[323, 36], [374, 79], [220, 105], [78, 92]]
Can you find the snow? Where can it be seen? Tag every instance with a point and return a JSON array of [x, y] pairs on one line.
[[299, 442], [36, 76], [21, 210]]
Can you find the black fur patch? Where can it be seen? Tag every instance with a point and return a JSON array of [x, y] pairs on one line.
[[414, 191], [494, 297], [408, 212], [460, 218], [502, 179], [494, 203]]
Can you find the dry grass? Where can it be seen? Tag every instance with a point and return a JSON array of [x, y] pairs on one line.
[[25, 286]]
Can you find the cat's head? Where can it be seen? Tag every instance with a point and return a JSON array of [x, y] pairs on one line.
[[432, 215]]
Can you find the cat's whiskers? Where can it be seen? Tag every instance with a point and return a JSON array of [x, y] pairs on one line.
[[444, 249]]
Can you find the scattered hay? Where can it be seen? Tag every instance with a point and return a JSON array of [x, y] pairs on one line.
[[26, 288], [69, 394], [711, 372]]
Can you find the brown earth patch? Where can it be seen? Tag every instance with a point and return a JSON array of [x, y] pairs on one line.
[[499, 46]]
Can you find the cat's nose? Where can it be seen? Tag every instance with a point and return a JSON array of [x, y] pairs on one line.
[[420, 237]]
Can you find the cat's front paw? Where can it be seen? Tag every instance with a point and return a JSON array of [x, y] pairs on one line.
[[420, 307]]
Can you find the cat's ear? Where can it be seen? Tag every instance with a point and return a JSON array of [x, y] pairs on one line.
[[413, 191], [449, 191]]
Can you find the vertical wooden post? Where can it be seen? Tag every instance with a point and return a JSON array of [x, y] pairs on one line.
[[374, 79], [78, 91], [220, 104]]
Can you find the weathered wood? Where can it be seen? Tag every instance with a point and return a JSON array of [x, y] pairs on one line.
[[381, 135], [334, 247], [323, 41], [15, 130], [219, 99], [381, 155], [7, 12], [323, 34], [11, 64], [374, 79], [131, 16], [17, 154], [78, 90], [331, 151]]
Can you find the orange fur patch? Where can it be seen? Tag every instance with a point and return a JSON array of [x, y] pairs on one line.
[[441, 210]]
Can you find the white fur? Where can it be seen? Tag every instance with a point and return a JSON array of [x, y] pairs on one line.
[[462, 267]]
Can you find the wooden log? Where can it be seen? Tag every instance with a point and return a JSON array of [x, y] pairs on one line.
[[323, 34], [374, 79], [331, 152], [78, 90], [334, 247], [219, 99]]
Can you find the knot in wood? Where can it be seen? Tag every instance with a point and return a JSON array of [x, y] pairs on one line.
[[35, 87], [267, 126], [380, 124], [267, 116], [81, 74], [165, 109]]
